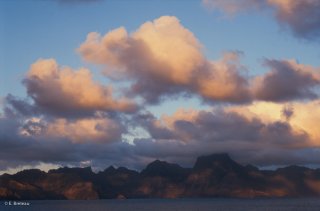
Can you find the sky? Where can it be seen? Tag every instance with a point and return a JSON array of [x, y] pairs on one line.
[[125, 82]]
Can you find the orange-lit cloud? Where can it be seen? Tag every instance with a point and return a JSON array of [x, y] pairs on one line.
[[248, 136], [100, 130], [305, 116], [215, 126], [67, 91], [164, 58]]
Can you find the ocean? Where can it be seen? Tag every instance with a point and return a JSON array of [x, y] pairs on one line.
[[165, 205]]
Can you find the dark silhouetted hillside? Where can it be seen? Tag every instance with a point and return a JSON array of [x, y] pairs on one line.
[[216, 175]]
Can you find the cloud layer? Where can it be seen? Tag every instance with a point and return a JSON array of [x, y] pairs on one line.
[[243, 131], [69, 118], [188, 133], [301, 17]]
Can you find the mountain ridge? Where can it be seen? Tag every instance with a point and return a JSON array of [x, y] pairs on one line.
[[215, 175]]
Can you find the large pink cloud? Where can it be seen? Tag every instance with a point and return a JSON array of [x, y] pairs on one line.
[[164, 58]]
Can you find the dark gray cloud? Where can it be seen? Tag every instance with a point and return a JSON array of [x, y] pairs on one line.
[[287, 112], [302, 17], [287, 81], [181, 139], [21, 105], [17, 107], [20, 150], [178, 139]]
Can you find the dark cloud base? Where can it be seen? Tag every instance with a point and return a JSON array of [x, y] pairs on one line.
[[249, 141]]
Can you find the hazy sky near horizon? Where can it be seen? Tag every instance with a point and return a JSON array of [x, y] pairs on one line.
[[123, 82]]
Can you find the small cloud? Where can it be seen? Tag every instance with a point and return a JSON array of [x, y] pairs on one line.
[[287, 112]]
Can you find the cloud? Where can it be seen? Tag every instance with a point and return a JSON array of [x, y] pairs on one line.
[[16, 106], [301, 17], [215, 126], [62, 142], [305, 118], [94, 129], [286, 81], [99, 130], [64, 91], [242, 131], [70, 119], [186, 134], [67, 119], [287, 112], [162, 58]]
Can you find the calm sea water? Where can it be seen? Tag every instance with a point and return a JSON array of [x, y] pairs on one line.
[[169, 205]]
